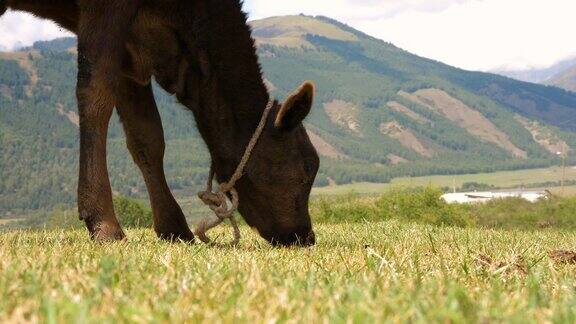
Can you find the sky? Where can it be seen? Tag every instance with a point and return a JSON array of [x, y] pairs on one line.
[[471, 34]]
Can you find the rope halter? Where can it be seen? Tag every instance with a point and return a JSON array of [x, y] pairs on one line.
[[218, 201]]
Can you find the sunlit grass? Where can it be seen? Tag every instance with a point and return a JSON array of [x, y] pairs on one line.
[[357, 272]]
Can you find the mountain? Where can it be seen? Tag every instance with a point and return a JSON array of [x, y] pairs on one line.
[[380, 113], [565, 79], [537, 75]]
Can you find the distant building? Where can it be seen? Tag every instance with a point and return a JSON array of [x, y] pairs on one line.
[[483, 197]]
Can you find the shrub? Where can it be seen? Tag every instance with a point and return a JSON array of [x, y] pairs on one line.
[[349, 208], [132, 213], [418, 205], [423, 205], [518, 213], [63, 218], [475, 186]]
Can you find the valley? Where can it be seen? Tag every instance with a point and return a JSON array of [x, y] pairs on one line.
[[548, 178]]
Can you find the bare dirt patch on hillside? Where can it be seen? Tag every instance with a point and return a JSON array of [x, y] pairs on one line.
[[344, 114], [469, 119], [398, 107], [291, 31], [326, 149], [71, 115], [23, 59], [395, 159], [405, 137], [544, 136]]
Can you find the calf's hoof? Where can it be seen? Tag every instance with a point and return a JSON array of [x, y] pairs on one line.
[[171, 225], [175, 236], [104, 232]]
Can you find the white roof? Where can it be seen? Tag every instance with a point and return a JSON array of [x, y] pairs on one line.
[[480, 197]]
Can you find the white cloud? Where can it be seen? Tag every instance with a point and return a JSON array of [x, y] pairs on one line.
[[347, 10], [22, 29], [485, 34], [473, 34]]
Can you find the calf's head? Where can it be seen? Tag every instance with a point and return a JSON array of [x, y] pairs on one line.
[[275, 189]]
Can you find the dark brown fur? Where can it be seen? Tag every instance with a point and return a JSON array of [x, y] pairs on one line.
[[202, 52]]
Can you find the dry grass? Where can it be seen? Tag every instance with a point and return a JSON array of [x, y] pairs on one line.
[[563, 256], [358, 273]]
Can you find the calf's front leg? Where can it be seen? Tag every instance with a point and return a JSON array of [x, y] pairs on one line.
[[102, 31], [95, 105]]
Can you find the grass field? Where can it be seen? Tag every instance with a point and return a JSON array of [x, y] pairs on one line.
[[363, 272], [405, 256], [504, 179]]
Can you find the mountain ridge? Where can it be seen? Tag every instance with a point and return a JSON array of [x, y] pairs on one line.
[[566, 79], [561, 74]]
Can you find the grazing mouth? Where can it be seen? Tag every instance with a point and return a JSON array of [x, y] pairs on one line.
[[294, 239]]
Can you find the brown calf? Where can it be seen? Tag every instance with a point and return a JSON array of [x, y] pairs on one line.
[[201, 51]]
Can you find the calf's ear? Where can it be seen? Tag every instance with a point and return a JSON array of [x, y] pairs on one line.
[[296, 107]]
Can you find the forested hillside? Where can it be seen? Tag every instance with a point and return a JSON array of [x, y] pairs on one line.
[[380, 112], [39, 134]]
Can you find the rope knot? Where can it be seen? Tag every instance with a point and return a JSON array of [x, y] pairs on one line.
[[218, 201]]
